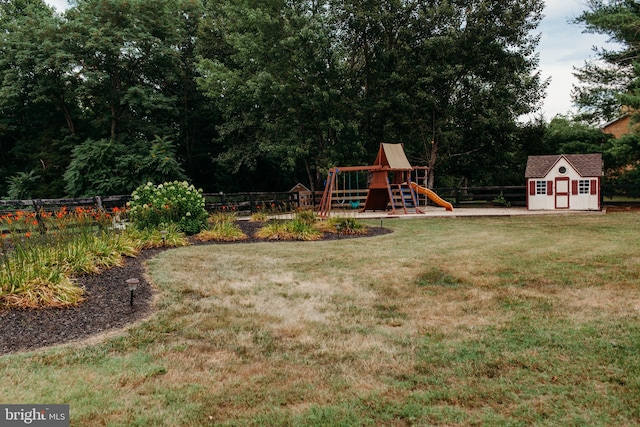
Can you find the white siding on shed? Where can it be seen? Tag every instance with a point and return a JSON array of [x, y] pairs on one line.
[[564, 188]]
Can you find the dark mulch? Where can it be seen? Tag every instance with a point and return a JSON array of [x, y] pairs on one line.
[[106, 308]]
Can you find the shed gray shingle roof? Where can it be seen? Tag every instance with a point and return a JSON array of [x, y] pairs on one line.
[[584, 164]]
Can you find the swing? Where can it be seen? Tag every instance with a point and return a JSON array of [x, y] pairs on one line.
[[344, 189], [355, 204]]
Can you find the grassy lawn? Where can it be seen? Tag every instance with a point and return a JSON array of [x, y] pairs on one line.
[[466, 321]]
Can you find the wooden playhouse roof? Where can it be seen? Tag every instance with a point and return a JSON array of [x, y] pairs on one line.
[[392, 156], [584, 164]]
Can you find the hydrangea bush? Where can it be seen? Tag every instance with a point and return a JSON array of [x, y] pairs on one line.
[[170, 203]]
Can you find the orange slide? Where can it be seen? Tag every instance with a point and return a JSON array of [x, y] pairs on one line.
[[432, 196]]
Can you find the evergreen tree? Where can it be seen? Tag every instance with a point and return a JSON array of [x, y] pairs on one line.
[[611, 81], [611, 87]]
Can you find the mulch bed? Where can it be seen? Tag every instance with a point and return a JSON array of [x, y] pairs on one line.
[[106, 308]]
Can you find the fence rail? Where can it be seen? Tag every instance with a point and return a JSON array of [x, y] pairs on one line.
[[53, 204], [247, 202], [250, 202], [458, 196]]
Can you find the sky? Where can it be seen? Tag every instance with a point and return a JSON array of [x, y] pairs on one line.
[[563, 46]]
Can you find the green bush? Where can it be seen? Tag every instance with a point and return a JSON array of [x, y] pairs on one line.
[[306, 217], [289, 230], [169, 203], [346, 225]]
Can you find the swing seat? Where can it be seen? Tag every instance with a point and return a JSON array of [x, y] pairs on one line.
[[355, 204]]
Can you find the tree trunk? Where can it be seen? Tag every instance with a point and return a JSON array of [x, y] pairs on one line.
[[310, 177], [113, 122], [433, 155], [69, 119]]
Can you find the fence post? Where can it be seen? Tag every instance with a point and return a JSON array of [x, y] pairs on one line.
[[98, 202], [41, 227]]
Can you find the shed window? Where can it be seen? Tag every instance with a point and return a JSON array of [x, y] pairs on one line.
[[583, 186], [541, 187]]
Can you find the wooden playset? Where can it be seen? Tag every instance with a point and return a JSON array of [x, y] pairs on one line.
[[389, 184]]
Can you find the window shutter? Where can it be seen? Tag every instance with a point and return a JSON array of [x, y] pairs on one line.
[[532, 188], [593, 188], [550, 188], [574, 187]]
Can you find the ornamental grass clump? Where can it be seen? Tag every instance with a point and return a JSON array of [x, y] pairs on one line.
[[170, 203], [343, 225], [260, 216], [222, 227], [164, 236], [38, 270], [295, 229]]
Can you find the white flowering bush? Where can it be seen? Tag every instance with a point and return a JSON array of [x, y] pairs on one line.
[[170, 203]]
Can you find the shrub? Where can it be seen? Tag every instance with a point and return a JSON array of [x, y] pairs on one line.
[[169, 203], [221, 232], [289, 230], [344, 225], [306, 216], [150, 238], [260, 216], [222, 227]]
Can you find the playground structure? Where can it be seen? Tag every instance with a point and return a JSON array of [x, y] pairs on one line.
[[389, 184]]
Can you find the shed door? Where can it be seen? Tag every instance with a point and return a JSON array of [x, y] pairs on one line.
[[562, 193]]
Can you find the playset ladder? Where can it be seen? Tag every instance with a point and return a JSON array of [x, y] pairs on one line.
[[407, 197]]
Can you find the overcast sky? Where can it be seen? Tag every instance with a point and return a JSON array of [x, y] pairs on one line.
[[562, 47]]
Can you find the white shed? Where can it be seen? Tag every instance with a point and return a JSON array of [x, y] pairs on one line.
[[564, 181]]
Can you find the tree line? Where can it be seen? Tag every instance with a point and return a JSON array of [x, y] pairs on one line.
[[241, 95]]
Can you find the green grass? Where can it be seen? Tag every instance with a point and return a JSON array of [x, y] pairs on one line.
[[474, 321]]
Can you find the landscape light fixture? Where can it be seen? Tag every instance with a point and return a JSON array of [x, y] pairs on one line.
[[133, 285], [164, 233]]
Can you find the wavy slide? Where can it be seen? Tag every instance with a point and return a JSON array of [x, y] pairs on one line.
[[432, 196]]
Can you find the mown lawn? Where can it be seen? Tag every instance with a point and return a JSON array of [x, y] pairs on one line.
[[465, 321]]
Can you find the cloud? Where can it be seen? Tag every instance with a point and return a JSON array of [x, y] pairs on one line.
[[60, 5], [563, 47]]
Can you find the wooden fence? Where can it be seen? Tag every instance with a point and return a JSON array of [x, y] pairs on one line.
[[97, 202], [250, 202], [241, 203], [458, 196]]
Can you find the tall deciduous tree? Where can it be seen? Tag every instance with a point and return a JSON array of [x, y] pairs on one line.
[[327, 81], [36, 97], [286, 89], [125, 52], [448, 79], [278, 87], [128, 57]]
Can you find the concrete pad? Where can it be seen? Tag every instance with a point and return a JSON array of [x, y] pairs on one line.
[[437, 212]]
